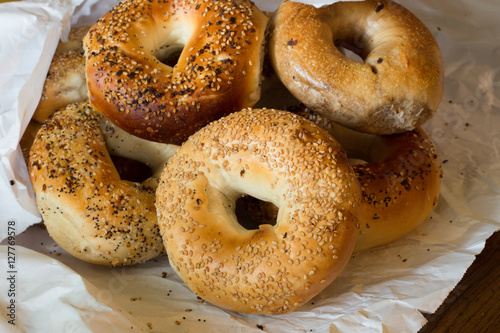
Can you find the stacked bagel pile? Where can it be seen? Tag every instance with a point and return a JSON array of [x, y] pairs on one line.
[[193, 123]]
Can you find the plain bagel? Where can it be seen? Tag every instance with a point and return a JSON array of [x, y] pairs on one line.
[[274, 156], [87, 209], [396, 88], [218, 70]]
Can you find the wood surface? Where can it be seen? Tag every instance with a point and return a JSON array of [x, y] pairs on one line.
[[474, 305]]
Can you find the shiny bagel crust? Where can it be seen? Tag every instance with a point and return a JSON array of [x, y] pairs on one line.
[[218, 70], [273, 156], [396, 88], [400, 187], [400, 182], [87, 209]]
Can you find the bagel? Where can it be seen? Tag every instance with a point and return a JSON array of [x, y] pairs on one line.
[[273, 156], [218, 70], [27, 139], [400, 177], [65, 82], [87, 209], [74, 41], [396, 88]]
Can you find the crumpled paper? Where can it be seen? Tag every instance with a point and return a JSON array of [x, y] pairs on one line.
[[382, 289]]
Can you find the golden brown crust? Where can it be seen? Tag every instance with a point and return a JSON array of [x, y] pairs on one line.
[[400, 188], [218, 71], [27, 139], [88, 210], [75, 40], [398, 86], [276, 157], [65, 84], [400, 184]]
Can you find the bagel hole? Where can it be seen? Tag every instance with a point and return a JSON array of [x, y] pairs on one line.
[[350, 51], [131, 170], [168, 54], [252, 212]]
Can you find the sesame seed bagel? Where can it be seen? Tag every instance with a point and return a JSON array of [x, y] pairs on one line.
[[400, 183], [65, 82], [218, 70], [273, 156], [398, 85], [87, 209]]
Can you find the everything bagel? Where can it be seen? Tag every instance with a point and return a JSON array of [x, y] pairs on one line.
[[87, 209], [400, 182], [218, 70]]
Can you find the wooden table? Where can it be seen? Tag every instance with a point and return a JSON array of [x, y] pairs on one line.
[[474, 305]]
